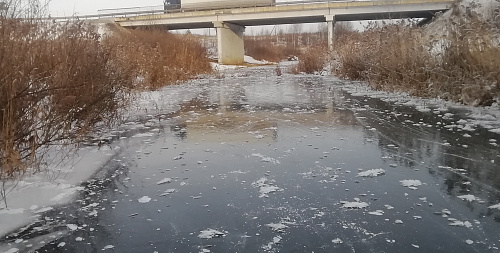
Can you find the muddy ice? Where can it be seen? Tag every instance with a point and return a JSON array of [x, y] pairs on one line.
[[259, 163]]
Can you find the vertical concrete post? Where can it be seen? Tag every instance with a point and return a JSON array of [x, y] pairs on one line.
[[330, 20], [230, 43]]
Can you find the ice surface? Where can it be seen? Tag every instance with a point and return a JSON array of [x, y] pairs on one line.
[[211, 233], [371, 173]]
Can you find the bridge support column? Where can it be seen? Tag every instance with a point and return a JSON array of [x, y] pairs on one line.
[[230, 43], [330, 20]]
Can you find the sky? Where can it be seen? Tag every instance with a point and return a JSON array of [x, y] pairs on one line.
[[90, 7]]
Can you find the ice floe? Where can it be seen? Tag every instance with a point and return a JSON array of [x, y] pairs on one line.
[[144, 199], [164, 181], [371, 173], [357, 204], [497, 206], [265, 187], [412, 184], [211, 233]]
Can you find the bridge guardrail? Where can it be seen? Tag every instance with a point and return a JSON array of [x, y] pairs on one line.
[[157, 10]]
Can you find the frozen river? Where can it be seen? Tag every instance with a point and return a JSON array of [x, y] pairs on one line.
[[259, 163]]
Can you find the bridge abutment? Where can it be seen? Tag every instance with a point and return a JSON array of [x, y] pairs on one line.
[[330, 20], [230, 43]]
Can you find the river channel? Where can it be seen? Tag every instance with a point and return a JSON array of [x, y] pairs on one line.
[[253, 162]]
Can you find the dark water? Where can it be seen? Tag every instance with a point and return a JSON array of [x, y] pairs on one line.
[[307, 140]]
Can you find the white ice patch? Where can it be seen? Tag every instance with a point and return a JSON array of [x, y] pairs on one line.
[[458, 223], [412, 184], [277, 227], [267, 159], [164, 181], [108, 247], [72, 227], [211, 233], [371, 173], [357, 204], [144, 199], [168, 192], [497, 206], [469, 198], [378, 212], [269, 245], [266, 187], [337, 241]]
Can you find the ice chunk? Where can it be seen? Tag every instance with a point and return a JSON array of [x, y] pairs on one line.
[[164, 181], [277, 227], [108, 247], [266, 187], [468, 241], [72, 227], [337, 241], [211, 233], [144, 199], [412, 184], [354, 205], [371, 173], [378, 212], [468, 197], [60, 245], [497, 206]]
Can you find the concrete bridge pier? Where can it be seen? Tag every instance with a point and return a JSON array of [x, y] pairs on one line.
[[330, 20], [230, 43]]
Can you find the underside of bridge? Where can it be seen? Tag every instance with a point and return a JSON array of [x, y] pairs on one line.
[[230, 23]]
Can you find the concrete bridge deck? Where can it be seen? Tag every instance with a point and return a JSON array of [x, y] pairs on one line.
[[231, 23]]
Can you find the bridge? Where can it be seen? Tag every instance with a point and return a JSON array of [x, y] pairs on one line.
[[230, 23]]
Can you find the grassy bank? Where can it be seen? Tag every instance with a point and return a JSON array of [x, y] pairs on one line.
[[457, 62], [61, 81]]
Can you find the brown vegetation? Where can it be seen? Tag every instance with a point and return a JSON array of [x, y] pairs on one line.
[[60, 81], [265, 48], [157, 57], [312, 60], [461, 65]]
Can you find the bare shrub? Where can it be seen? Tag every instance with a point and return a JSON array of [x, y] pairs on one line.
[[264, 48], [312, 60], [157, 58], [461, 65], [56, 87]]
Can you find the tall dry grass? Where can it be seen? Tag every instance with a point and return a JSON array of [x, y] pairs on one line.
[[157, 58], [55, 87], [266, 48], [460, 65], [312, 60], [61, 81]]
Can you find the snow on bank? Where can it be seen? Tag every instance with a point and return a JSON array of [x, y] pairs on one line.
[[486, 117], [34, 194]]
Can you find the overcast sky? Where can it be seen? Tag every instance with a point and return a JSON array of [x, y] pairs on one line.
[[90, 7]]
